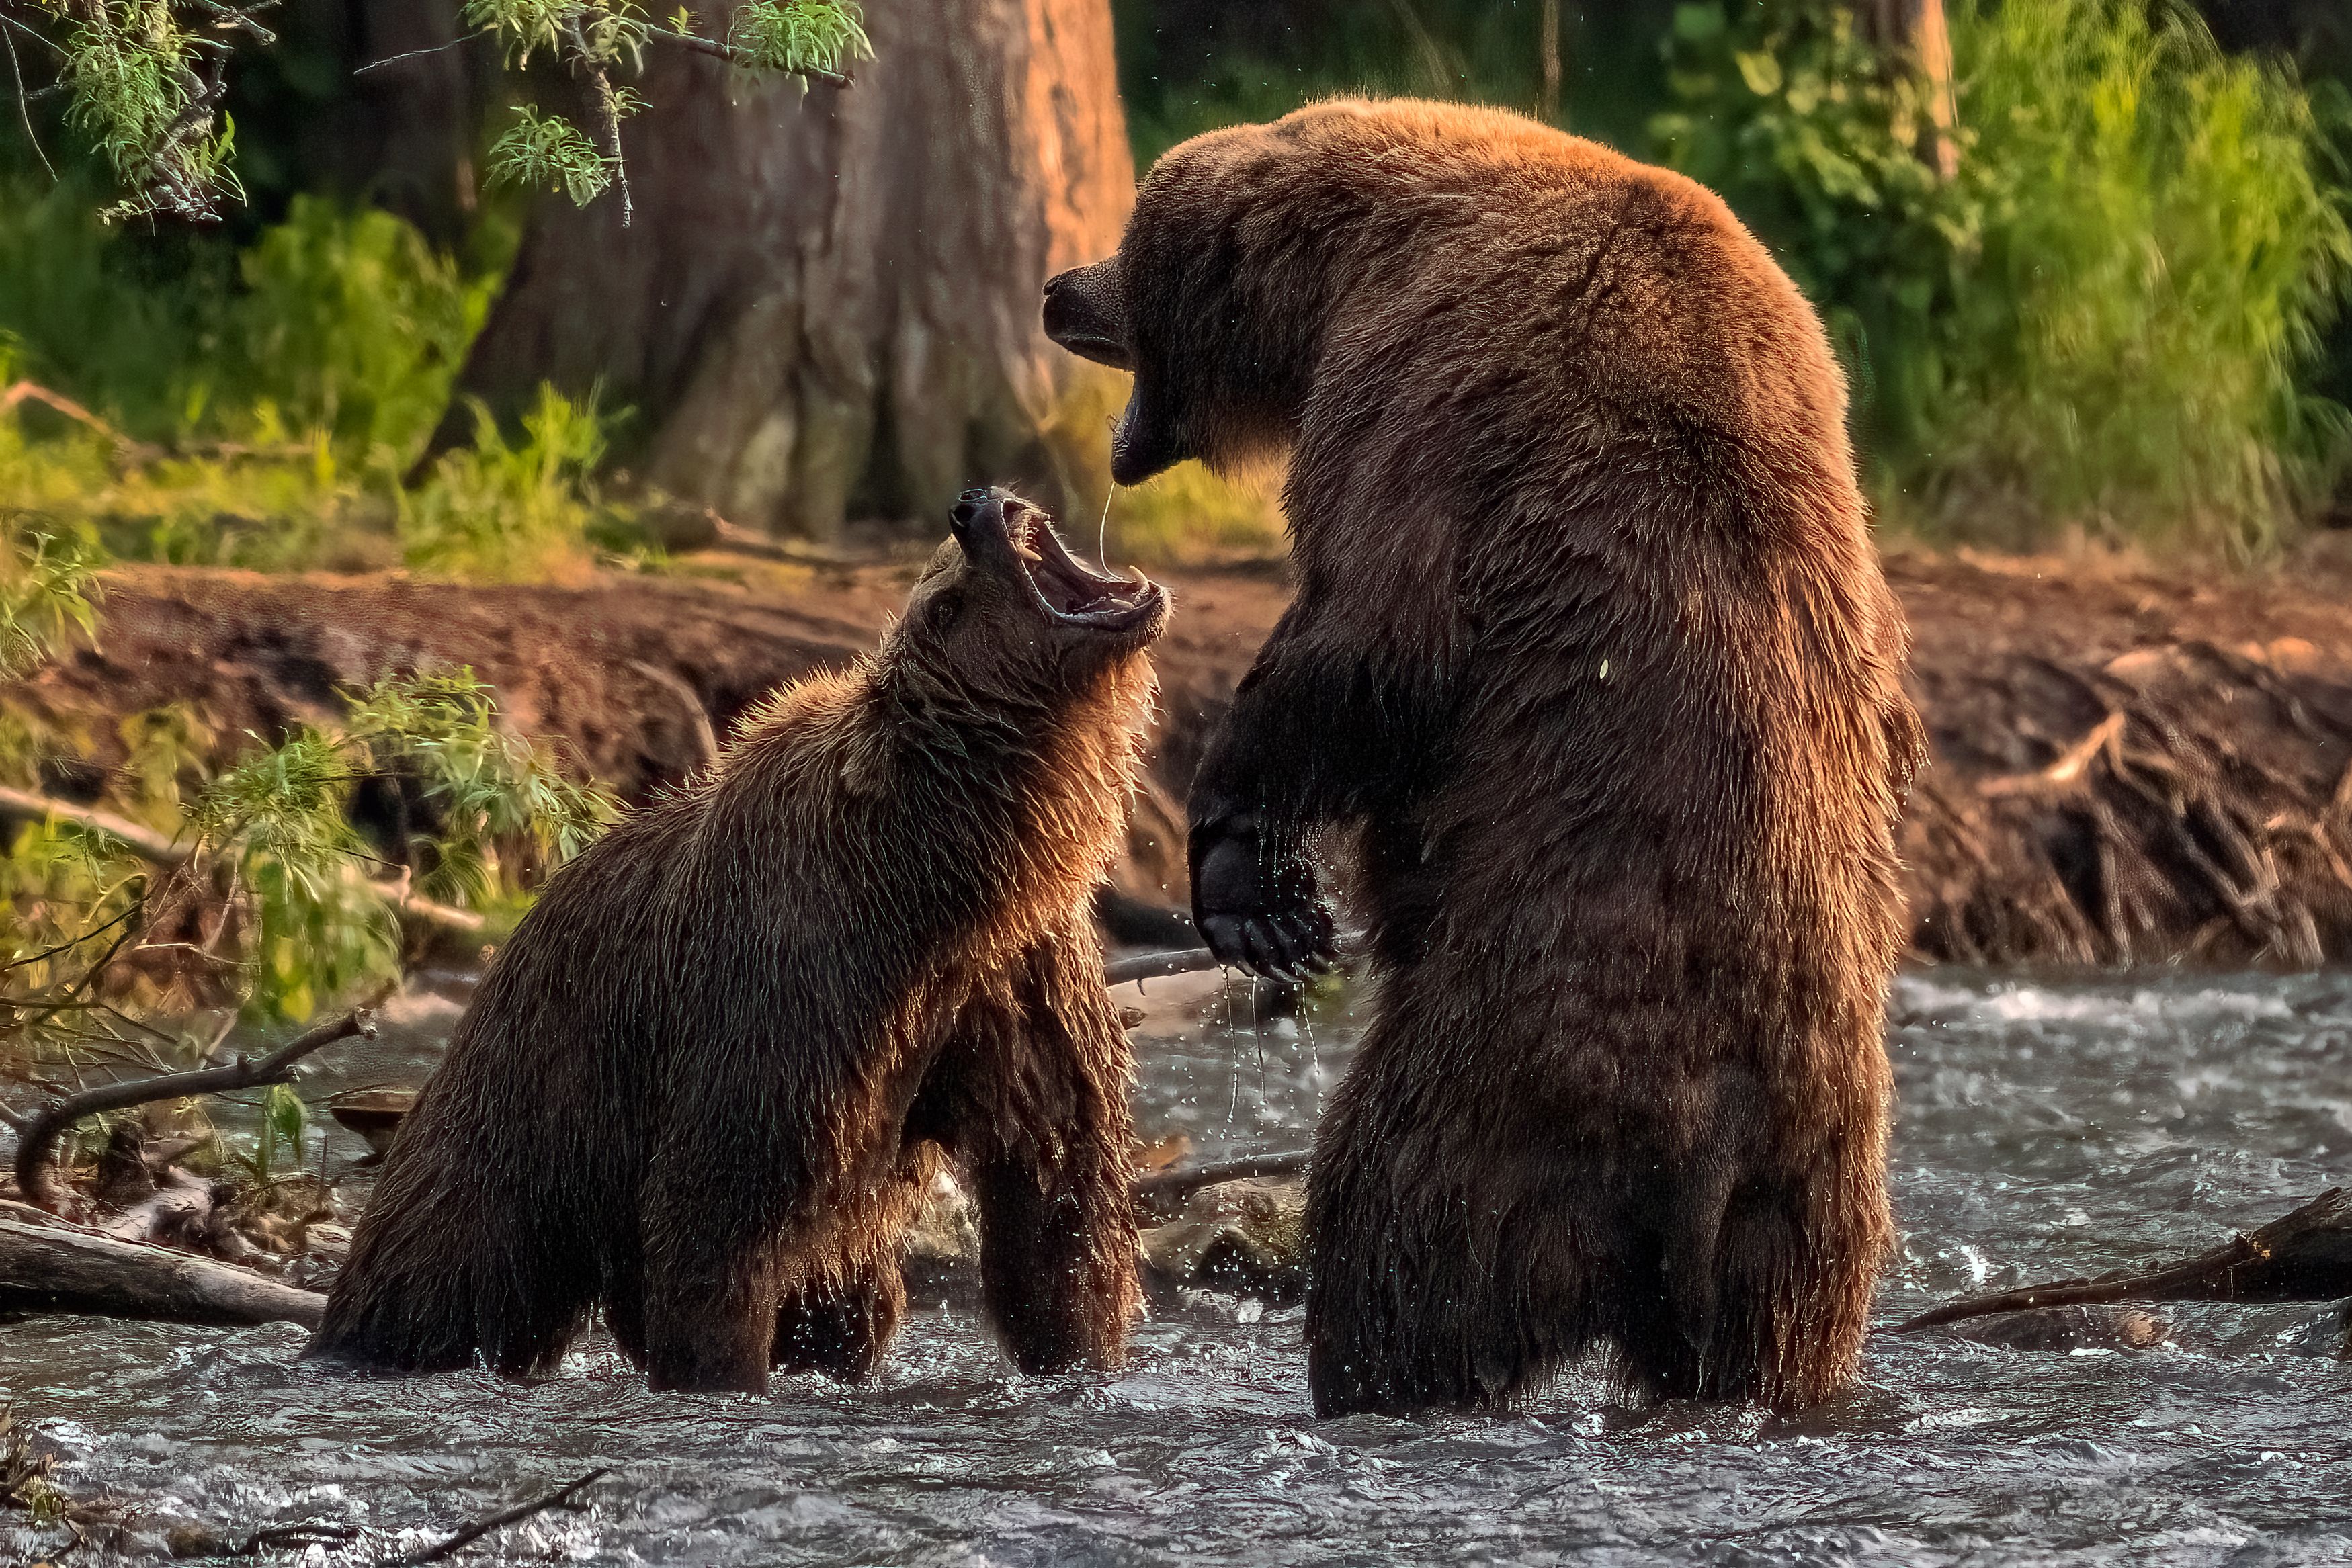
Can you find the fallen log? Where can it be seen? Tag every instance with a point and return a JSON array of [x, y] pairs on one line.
[[33, 1178], [2306, 1256], [51, 1269]]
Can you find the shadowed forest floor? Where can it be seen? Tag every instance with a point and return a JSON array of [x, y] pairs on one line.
[[2130, 765]]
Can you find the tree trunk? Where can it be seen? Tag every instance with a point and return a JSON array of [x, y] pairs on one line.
[[827, 306], [1914, 31]]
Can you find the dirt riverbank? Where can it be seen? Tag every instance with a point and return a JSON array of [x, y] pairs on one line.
[[2130, 765]]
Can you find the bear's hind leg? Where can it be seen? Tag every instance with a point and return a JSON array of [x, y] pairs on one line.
[[1031, 1094], [841, 1323], [1782, 1315], [709, 1335], [1443, 1272]]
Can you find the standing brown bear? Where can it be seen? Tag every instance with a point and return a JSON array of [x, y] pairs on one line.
[[1590, 649], [704, 1082]]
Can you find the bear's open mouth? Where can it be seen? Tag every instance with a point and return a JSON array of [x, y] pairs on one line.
[[1069, 592]]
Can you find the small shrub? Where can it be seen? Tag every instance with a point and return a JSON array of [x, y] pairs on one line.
[[510, 513], [352, 324], [2105, 322]]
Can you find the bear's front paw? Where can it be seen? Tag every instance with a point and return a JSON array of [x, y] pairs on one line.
[[1258, 909]]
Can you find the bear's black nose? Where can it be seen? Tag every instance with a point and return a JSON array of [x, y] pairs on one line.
[[970, 506]]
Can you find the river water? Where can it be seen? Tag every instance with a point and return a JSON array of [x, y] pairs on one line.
[[2045, 1130]]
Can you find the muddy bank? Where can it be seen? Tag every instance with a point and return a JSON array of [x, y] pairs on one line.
[[2129, 766]]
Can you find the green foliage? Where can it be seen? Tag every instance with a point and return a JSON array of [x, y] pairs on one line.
[[146, 81], [335, 320], [132, 66], [800, 36], [548, 153], [489, 788], [282, 1120], [44, 601], [524, 27], [1791, 116], [2105, 322], [284, 396], [282, 907], [499, 512], [349, 323]]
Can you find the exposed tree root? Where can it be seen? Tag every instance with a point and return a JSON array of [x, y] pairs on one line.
[[2189, 819]]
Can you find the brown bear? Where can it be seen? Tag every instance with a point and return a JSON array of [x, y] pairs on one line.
[[704, 1082], [1592, 657]]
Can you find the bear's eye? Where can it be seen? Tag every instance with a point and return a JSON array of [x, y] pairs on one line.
[[943, 610]]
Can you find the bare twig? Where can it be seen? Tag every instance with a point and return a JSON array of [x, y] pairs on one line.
[[2306, 1256], [33, 1169], [608, 112], [23, 103], [414, 54], [33, 391], [559, 1498]]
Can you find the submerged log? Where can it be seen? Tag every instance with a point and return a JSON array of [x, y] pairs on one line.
[[2306, 1256], [53, 1268], [1162, 1194]]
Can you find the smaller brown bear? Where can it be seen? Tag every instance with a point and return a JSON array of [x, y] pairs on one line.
[[703, 1084]]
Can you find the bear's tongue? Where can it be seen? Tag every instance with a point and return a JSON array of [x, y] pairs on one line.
[[1067, 588]]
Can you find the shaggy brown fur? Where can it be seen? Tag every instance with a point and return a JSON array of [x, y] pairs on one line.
[[1591, 647], [703, 1084]]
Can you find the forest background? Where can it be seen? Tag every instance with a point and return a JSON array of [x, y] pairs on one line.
[[2086, 282]]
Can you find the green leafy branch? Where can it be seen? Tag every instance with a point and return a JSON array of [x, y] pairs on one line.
[[145, 80], [815, 40], [46, 587], [251, 892]]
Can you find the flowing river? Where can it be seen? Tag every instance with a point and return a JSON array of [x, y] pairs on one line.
[[2045, 1130]]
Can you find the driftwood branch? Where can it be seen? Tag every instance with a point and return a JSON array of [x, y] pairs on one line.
[[2306, 1256], [1153, 966], [33, 1166], [1162, 1193], [559, 1498], [697, 717], [25, 806], [55, 1269]]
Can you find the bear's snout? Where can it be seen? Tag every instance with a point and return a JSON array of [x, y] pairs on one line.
[[1084, 313]]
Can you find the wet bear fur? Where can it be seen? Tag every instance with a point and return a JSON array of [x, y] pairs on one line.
[[705, 1082], [1591, 655]]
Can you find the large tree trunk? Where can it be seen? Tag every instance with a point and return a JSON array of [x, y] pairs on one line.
[[1913, 32], [827, 306]]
